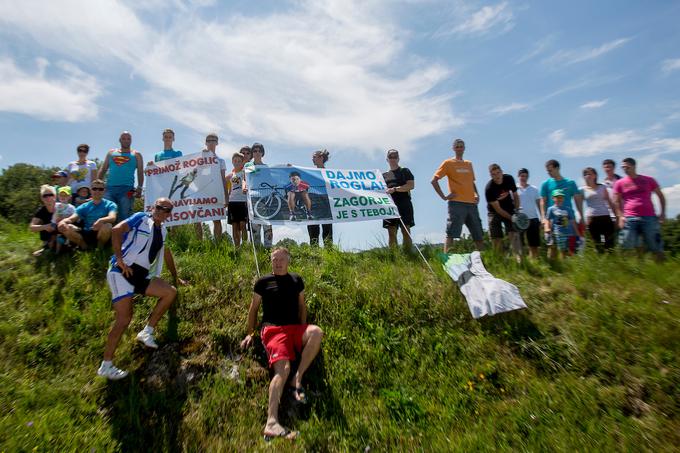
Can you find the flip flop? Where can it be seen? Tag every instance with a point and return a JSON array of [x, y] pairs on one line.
[[299, 394], [285, 434]]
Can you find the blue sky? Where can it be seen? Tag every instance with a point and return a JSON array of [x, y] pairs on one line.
[[520, 82]]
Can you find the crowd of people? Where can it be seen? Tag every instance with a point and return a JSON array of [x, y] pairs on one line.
[[88, 207]]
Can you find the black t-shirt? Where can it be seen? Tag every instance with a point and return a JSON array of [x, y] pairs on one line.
[[156, 243], [280, 298], [396, 178], [494, 191], [45, 217]]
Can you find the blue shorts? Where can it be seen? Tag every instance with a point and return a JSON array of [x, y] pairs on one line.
[[647, 228]]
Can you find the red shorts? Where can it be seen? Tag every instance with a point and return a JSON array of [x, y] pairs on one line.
[[283, 342]]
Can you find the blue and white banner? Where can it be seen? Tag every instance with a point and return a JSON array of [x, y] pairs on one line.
[[284, 194]]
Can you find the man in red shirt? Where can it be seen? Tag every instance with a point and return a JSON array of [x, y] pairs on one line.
[[634, 208]]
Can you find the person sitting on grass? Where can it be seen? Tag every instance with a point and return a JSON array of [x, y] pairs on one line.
[[561, 227], [41, 222], [285, 335], [82, 196], [135, 268], [297, 188], [62, 210], [97, 216]]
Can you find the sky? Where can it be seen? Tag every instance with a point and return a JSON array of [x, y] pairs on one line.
[[520, 81]]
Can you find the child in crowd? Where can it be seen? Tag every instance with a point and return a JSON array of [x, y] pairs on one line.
[[59, 180], [562, 232], [82, 196], [62, 210], [237, 212], [298, 188]]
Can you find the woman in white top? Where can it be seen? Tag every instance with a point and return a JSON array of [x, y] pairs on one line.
[[81, 172], [598, 203]]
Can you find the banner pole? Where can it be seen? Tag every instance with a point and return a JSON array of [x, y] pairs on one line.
[[416, 246], [250, 223]]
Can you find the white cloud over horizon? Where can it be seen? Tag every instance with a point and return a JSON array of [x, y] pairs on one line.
[[486, 19], [70, 95], [672, 195], [594, 104], [318, 73], [670, 65], [509, 108], [569, 57]]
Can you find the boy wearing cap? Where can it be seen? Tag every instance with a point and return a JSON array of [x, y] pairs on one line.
[[62, 209], [561, 228], [59, 179], [462, 198]]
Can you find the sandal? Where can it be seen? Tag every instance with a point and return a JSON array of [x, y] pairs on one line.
[[285, 434]]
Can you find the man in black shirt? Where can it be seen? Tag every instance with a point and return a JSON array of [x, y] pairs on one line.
[[285, 334], [400, 182], [502, 202]]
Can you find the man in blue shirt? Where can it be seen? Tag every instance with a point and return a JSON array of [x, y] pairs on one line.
[[565, 185], [97, 217], [168, 152]]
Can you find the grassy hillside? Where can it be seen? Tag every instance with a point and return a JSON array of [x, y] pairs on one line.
[[591, 365]]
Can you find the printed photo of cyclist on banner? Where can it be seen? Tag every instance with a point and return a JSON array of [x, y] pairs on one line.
[[278, 194]]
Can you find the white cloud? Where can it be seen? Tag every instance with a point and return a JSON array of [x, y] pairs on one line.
[[509, 108], [331, 73], [670, 65], [568, 57], [594, 104], [70, 95], [596, 143], [479, 22], [539, 47], [672, 195]]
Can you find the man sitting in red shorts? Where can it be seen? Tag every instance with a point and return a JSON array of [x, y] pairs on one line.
[[285, 334]]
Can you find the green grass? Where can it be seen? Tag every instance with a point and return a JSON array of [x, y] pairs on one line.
[[592, 365]]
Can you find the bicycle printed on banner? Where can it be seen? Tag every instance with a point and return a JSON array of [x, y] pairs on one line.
[[274, 202]]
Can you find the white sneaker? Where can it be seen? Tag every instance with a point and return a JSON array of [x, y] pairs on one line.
[[111, 372], [148, 339]]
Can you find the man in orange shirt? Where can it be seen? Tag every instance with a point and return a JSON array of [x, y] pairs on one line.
[[462, 198]]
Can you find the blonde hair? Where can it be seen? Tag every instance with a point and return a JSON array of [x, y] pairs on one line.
[[46, 188]]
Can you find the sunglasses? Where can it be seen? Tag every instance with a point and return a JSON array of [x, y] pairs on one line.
[[211, 141], [47, 195], [97, 189], [83, 151], [167, 209]]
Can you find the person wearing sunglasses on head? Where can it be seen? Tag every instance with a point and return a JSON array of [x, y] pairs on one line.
[[97, 217], [41, 222], [83, 171], [135, 268]]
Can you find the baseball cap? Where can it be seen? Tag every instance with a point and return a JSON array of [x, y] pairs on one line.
[[64, 189], [557, 193], [392, 152], [60, 174]]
